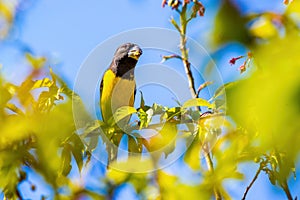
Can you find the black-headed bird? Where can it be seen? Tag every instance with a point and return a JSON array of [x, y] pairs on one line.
[[118, 88]]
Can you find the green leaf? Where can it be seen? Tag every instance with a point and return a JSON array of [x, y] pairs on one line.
[[77, 150], [174, 23], [172, 112], [157, 109], [220, 104], [92, 145], [92, 129], [197, 102], [142, 104], [134, 148], [142, 142], [66, 160], [121, 113], [145, 117]]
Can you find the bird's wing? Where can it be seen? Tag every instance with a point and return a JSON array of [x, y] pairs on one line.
[[106, 89]]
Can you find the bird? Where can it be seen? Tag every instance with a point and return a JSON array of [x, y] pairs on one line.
[[118, 89]]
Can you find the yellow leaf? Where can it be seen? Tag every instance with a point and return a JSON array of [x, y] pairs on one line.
[[35, 62], [6, 11], [133, 164], [172, 188], [46, 82], [165, 141], [263, 28], [117, 176], [197, 102], [192, 156], [267, 103], [294, 7]]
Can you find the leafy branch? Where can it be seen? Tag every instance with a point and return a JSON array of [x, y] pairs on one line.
[[185, 16]]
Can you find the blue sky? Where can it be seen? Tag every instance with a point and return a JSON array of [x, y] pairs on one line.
[[67, 31]]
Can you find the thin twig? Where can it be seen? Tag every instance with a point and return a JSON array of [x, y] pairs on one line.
[[252, 182], [286, 189], [164, 58], [202, 86], [175, 24]]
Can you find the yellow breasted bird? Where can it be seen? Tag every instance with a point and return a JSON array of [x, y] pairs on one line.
[[117, 87]]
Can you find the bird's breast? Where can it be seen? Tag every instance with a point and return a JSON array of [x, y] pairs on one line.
[[116, 92]]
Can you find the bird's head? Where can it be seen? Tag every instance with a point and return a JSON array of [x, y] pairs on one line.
[[125, 59], [128, 50]]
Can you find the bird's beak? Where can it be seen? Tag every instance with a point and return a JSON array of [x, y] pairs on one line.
[[135, 53]]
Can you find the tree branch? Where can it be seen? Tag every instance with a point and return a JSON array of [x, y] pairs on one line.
[[202, 86], [286, 189], [252, 182], [164, 58], [191, 83]]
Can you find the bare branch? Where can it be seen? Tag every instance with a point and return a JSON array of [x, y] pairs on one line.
[[252, 182], [165, 58], [286, 189], [202, 86]]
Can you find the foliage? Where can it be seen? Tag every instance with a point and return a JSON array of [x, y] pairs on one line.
[[37, 131], [258, 123]]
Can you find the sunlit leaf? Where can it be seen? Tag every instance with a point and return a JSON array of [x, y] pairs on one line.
[[145, 117], [7, 15], [142, 103], [192, 155], [165, 141], [77, 149], [263, 28], [139, 181], [23, 92], [294, 7], [117, 176], [66, 160], [157, 109], [172, 188], [14, 108], [5, 97], [132, 164], [35, 62], [172, 113], [197, 102], [121, 113], [46, 82], [134, 148]]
